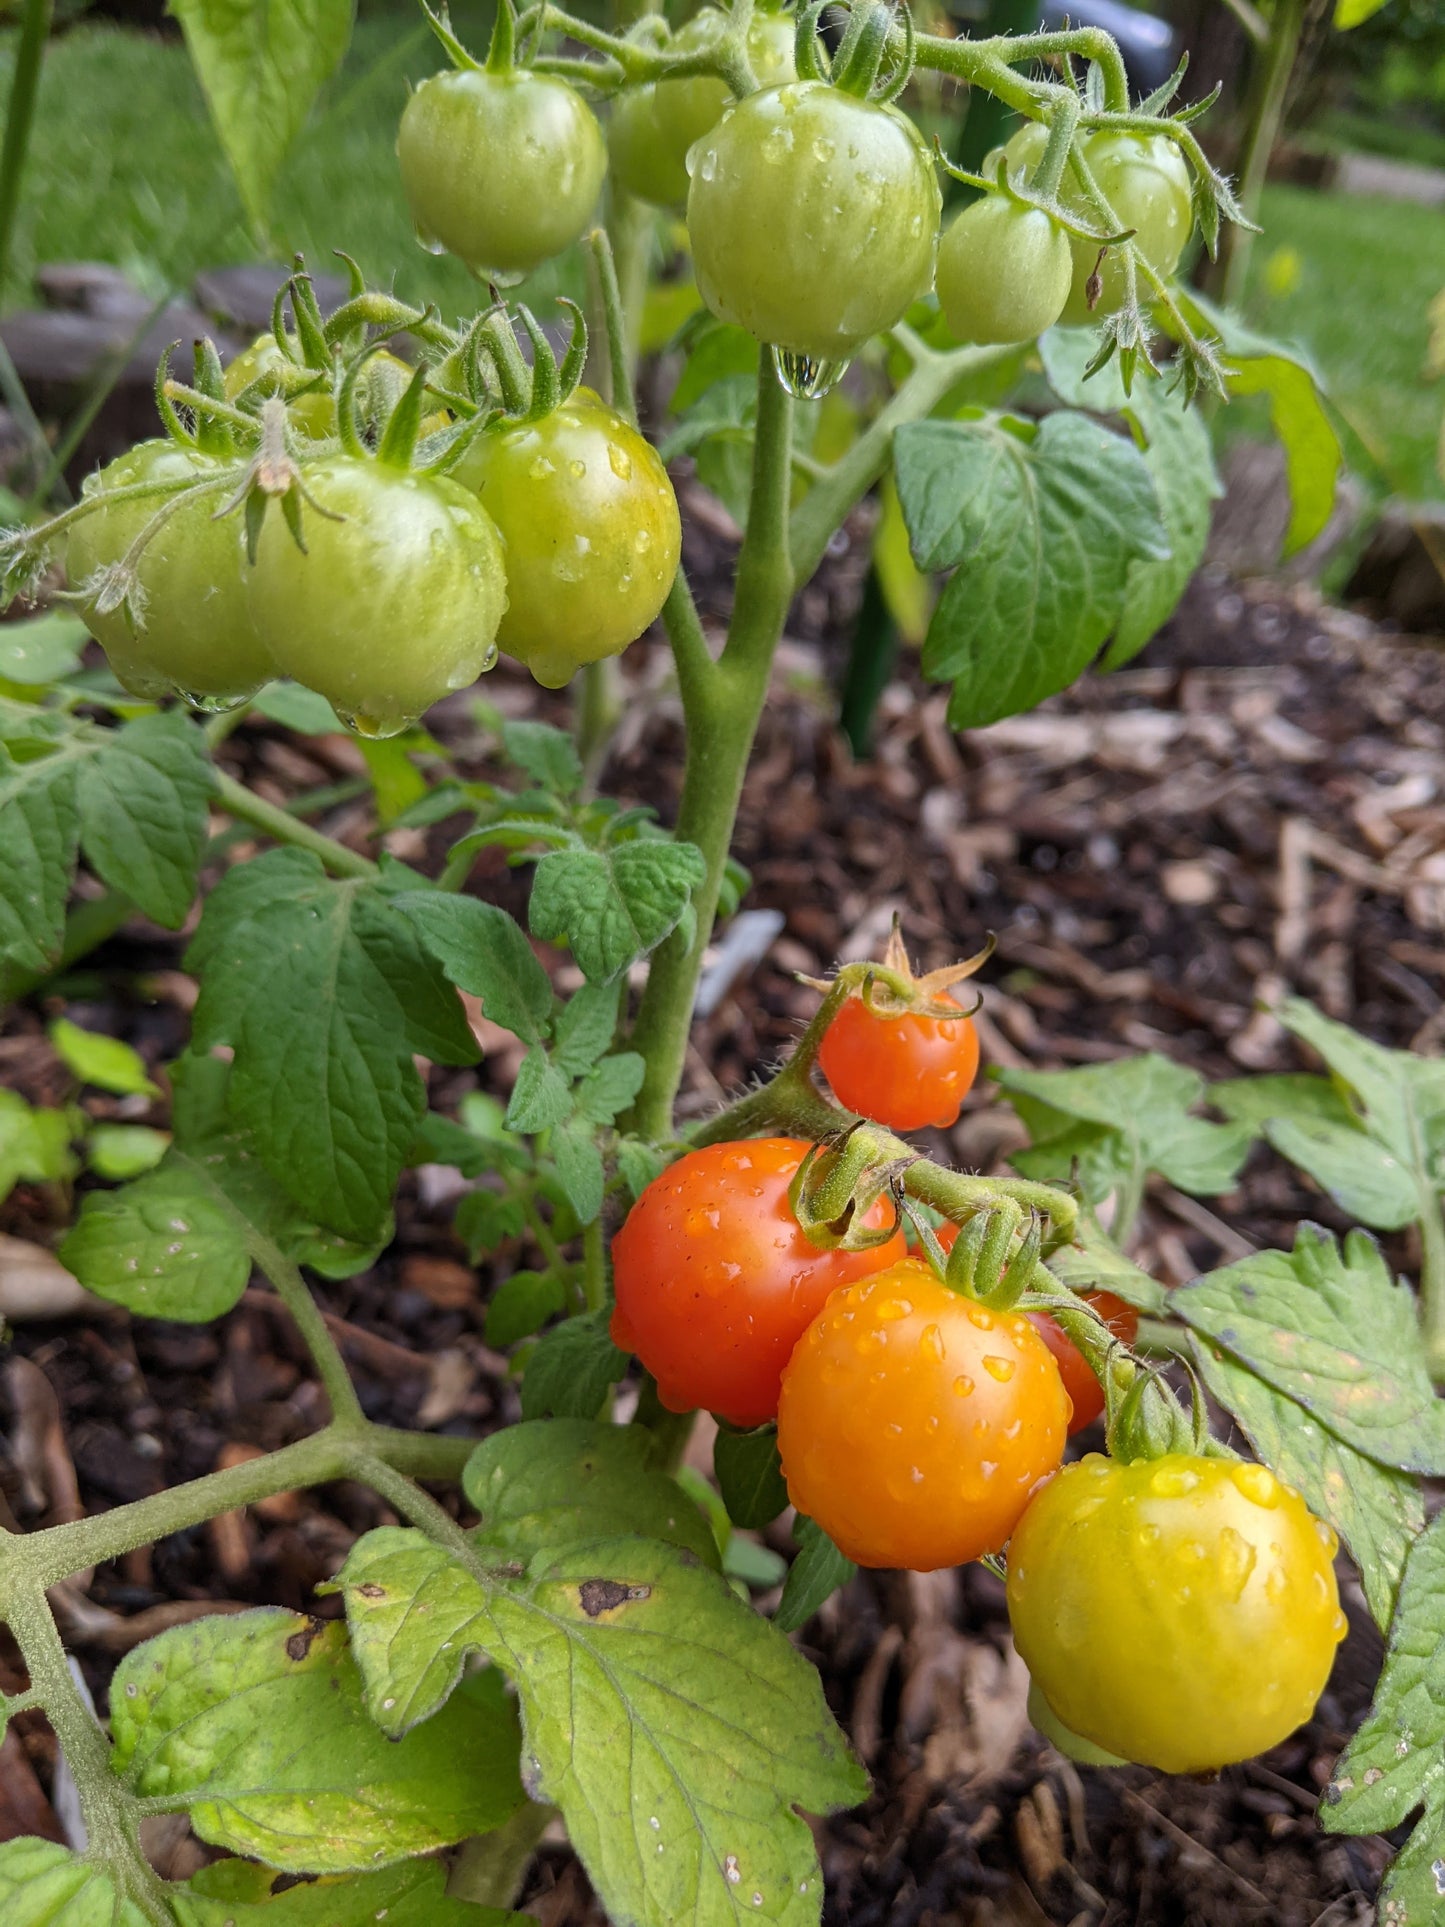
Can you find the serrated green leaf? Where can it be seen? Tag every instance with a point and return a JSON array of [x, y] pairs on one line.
[[613, 906], [1376, 1511], [1365, 1180], [100, 1060], [486, 953], [163, 1246], [1327, 1327], [584, 1028], [1295, 1095], [436, 1023], [658, 1712], [572, 1369], [143, 820], [555, 1482], [521, 1305], [639, 1163], [255, 1724], [41, 650], [579, 1167], [239, 1893], [1092, 1262], [45, 1885], [1040, 534], [540, 1096], [815, 1575], [1396, 1761], [750, 1475], [547, 755], [1144, 1104], [261, 64], [484, 1219], [297, 977], [39, 839], [608, 1090]]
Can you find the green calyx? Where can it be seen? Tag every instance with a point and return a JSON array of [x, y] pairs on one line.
[[835, 1188], [859, 67], [528, 392]]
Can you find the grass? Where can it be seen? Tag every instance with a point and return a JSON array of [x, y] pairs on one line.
[[125, 168], [1351, 280]]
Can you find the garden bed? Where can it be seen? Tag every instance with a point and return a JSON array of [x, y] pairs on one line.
[[1255, 805]]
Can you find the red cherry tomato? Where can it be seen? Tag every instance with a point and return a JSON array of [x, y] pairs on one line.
[[716, 1280], [915, 1423], [1074, 1369], [901, 1069]]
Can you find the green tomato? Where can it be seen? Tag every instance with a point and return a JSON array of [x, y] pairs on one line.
[[503, 170], [688, 109], [814, 219], [388, 608], [1003, 272], [641, 160], [196, 636], [591, 529], [383, 382], [1181, 1612]]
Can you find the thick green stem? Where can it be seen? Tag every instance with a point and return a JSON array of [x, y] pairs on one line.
[[236, 800], [722, 708], [20, 118], [1269, 88], [112, 1822], [292, 1290]]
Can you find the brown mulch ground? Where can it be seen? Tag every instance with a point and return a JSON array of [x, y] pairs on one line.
[[1258, 804]]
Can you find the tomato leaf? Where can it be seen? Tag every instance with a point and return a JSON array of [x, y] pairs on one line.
[[1041, 533], [579, 1167], [323, 991], [1395, 1763], [613, 906], [1376, 1510], [41, 1883], [143, 826], [1118, 1120], [238, 1893], [1327, 1326], [585, 1027], [484, 1220], [552, 1482], [43, 649], [521, 1305], [34, 1144], [572, 1369], [697, 1817], [607, 1090], [39, 842], [261, 64], [547, 755], [100, 1060], [540, 1096], [255, 1724], [814, 1576], [750, 1475], [486, 953], [1093, 1262]]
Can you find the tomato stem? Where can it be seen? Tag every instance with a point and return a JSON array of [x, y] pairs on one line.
[[282, 827]]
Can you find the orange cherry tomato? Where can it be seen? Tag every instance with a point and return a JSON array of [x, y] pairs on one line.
[[915, 1424], [716, 1280], [1075, 1370], [901, 1069]]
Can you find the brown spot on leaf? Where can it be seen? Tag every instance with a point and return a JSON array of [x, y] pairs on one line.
[[599, 1596], [300, 1644], [371, 1591]]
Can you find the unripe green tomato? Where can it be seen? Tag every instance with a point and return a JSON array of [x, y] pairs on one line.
[[1145, 179], [198, 638], [641, 160], [503, 170], [1181, 1612], [814, 218], [591, 529], [390, 608], [688, 109], [382, 383], [1003, 272]]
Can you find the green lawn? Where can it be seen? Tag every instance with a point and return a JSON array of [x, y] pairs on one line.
[[1364, 273], [124, 166]]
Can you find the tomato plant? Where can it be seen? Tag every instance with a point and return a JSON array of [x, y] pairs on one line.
[[373, 527], [716, 1281], [1178, 1611], [914, 1423]]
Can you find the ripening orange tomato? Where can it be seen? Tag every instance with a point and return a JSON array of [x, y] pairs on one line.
[[904, 1069], [716, 1280], [915, 1423]]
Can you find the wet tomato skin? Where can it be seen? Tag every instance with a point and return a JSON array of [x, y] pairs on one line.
[[906, 1070], [914, 1423], [716, 1280], [1083, 1387], [1181, 1612]]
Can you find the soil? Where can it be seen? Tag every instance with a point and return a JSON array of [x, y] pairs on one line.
[[1255, 806]]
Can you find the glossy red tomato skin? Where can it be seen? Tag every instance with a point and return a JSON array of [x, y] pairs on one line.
[[905, 1071], [716, 1281], [1083, 1388], [915, 1424]]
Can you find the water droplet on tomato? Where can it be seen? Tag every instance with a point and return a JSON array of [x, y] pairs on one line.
[[620, 462], [930, 1343], [963, 1385], [1257, 1483], [1173, 1481], [806, 377], [1002, 1369]]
